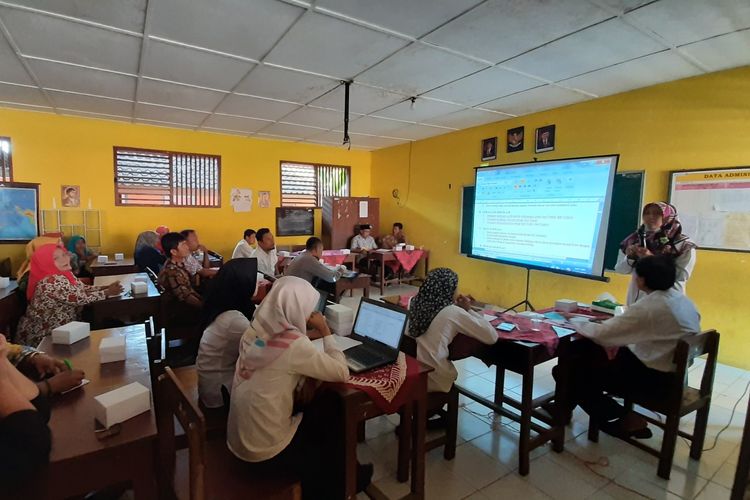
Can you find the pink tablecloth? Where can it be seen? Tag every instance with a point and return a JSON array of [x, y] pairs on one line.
[[388, 386], [334, 257], [408, 258]]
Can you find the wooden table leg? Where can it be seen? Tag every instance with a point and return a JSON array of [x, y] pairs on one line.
[[144, 482], [351, 425], [366, 291], [419, 419], [382, 275], [499, 384], [404, 442], [524, 440]]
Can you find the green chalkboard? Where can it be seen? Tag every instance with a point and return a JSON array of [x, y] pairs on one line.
[[624, 216]]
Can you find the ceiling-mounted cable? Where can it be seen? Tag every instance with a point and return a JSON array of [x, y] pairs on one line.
[[347, 141]]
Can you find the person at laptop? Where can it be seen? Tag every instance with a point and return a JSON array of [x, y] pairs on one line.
[[308, 267], [647, 335], [436, 316], [246, 246], [276, 358], [266, 252]]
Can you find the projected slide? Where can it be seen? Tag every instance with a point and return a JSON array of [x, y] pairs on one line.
[[550, 215]]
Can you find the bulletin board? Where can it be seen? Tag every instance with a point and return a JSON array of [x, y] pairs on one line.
[[714, 206]]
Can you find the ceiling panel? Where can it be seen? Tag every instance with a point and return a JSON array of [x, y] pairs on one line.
[[417, 132], [722, 52], [417, 69], [275, 137], [322, 44], [22, 95], [623, 5], [13, 71], [316, 117], [373, 142], [195, 67], [172, 115], [125, 14], [602, 45], [466, 118], [98, 116], [240, 27], [255, 107], [61, 40], [92, 104], [163, 123], [488, 84], [413, 18], [328, 137], [266, 81], [374, 126], [685, 21], [534, 100], [290, 130], [362, 99], [650, 70], [247, 125], [88, 81], [420, 110], [500, 29], [170, 94]]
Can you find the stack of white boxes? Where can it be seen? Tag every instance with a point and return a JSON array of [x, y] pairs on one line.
[[340, 319]]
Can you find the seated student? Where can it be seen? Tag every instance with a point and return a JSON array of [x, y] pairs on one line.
[[264, 425], [308, 267], [52, 376], [80, 257], [396, 237], [227, 313], [436, 316], [147, 254], [647, 334], [266, 252], [23, 272], [55, 296], [246, 246], [176, 281], [197, 261], [25, 440]]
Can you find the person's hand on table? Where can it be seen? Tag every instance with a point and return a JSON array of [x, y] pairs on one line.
[[317, 321], [113, 290], [46, 365], [464, 302], [65, 380]]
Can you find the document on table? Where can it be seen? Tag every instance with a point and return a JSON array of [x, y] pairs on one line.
[[562, 332], [344, 343], [489, 317]]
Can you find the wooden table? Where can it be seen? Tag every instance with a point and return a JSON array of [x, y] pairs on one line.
[[362, 281], [382, 257], [11, 309], [127, 308], [79, 462], [359, 407], [113, 267]]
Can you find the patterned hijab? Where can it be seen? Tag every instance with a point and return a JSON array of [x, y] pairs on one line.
[[279, 320], [72, 245], [668, 239], [31, 247], [434, 295], [43, 265]]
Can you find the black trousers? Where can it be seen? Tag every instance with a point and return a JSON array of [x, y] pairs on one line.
[[592, 374]]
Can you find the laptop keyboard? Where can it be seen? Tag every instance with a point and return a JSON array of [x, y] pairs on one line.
[[365, 357]]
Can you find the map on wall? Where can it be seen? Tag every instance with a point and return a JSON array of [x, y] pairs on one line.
[[19, 212]]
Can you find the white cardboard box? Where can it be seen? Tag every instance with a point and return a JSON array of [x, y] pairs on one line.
[[102, 259], [70, 333], [119, 256], [138, 287], [121, 404], [112, 349], [566, 305]]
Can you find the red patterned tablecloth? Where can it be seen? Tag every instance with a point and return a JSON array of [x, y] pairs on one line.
[[388, 386], [334, 257], [407, 259]]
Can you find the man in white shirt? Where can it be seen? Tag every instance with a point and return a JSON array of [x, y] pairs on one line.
[[266, 252], [246, 246], [647, 335], [363, 242]]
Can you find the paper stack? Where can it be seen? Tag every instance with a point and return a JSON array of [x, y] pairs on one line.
[[340, 319]]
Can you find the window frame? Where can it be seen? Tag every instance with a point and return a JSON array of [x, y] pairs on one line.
[[10, 160], [118, 202], [317, 187]]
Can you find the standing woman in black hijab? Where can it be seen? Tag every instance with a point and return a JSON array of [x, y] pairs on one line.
[[227, 311]]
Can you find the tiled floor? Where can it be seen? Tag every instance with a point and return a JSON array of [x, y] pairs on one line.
[[486, 460]]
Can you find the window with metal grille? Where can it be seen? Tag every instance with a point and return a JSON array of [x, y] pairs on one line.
[[6, 163], [305, 184], [166, 178]]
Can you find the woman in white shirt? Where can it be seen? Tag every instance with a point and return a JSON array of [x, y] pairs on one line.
[[227, 312], [660, 234], [436, 316], [276, 358]]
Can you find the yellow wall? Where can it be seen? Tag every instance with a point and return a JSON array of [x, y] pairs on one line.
[[54, 150], [689, 124]]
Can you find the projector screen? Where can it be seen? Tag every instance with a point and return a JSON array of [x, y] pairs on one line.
[[549, 215]]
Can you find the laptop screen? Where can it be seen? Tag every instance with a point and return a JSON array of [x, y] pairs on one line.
[[380, 323]]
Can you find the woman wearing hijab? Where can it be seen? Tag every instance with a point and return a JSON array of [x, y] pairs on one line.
[[436, 316], [80, 257], [23, 272], [276, 357], [55, 295], [660, 234], [147, 253], [227, 311]]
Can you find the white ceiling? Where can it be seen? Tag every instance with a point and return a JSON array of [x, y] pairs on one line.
[[273, 68]]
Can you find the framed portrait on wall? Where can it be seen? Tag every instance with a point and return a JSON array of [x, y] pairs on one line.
[[19, 212], [514, 140], [489, 149], [545, 139], [71, 196]]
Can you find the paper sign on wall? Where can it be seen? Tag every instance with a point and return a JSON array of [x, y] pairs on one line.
[[242, 199], [363, 209]]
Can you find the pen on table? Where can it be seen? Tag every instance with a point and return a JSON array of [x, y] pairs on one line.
[[68, 364]]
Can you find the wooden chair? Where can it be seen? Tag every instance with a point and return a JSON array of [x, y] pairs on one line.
[[214, 472], [681, 401]]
